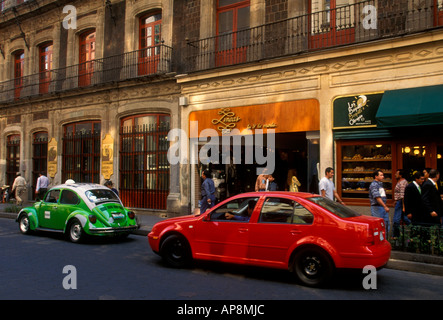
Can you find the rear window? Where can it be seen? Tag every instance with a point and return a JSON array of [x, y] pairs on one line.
[[334, 207], [101, 195]]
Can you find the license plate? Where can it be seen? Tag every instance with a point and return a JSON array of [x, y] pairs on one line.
[[117, 216]]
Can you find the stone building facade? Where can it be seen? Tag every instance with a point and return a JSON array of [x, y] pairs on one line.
[[284, 65]]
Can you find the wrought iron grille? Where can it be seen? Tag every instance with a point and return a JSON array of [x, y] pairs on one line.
[[144, 167]]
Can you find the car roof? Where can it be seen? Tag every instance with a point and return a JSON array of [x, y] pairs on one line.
[[79, 187], [277, 194]]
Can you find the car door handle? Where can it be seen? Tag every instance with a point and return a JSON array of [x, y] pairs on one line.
[[242, 230], [295, 231], [54, 207]]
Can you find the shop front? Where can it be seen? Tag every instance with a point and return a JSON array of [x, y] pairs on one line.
[[235, 143], [391, 130]]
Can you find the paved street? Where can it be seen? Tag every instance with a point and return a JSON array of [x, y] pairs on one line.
[[31, 267]]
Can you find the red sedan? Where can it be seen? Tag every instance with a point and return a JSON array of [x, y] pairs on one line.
[[305, 233]]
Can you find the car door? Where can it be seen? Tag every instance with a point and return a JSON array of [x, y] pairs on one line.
[[282, 222], [217, 238], [67, 204], [48, 208]]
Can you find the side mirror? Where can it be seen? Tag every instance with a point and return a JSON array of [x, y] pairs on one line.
[[207, 218]]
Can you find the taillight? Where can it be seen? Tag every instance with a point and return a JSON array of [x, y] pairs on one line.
[[92, 219], [131, 215], [370, 236]]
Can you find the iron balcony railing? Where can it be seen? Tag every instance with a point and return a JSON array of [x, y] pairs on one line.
[[349, 24], [137, 64]]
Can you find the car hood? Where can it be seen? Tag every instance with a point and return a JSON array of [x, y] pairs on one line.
[[169, 221]]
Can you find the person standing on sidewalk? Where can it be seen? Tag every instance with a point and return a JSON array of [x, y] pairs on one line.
[[42, 186], [327, 187], [19, 186], [208, 192], [399, 194], [377, 198]]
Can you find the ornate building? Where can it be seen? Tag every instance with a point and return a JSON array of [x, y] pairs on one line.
[[89, 90]]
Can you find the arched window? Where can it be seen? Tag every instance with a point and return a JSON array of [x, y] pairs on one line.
[[86, 57], [81, 151], [232, 33], [19, 67], [45, 66], [39, 156], [12, 157], [144, 166], [149, 43]]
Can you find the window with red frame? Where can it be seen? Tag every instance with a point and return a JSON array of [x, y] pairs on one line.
[[332, 23], [144, 165], [45, 66], [81, 151], [12, 157], [86, 58], [149, 43], [232, 33], [19, 66]]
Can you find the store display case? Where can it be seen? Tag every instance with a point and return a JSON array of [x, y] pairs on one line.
[[357, 163]]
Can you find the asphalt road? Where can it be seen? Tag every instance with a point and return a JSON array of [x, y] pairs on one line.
[[45, 266]]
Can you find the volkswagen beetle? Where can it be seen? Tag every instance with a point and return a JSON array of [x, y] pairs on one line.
[[78, 210]]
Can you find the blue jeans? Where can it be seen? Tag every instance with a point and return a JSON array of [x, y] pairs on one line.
[[380, 212], [397, 213]]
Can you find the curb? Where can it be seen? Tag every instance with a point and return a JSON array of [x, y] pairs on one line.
[[403, 261]]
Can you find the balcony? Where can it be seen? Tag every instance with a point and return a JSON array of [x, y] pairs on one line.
[[132, 65], [351, 24]]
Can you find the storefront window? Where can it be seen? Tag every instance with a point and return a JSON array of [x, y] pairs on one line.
[[358, 164]]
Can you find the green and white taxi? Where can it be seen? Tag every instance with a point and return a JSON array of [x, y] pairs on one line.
[[78, 210]]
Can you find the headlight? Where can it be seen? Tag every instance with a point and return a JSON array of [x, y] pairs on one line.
[[131, 215], [92, 219]]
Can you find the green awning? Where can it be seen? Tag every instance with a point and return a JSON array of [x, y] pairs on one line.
[[411, 107]]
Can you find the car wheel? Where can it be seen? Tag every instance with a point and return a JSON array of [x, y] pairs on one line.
[[313, 267], [175, 251], [75, 231], [24, 224]]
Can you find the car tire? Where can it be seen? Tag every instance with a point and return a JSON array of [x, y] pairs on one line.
[[176, 252], [313, 267], [75, 231], [24, 224]]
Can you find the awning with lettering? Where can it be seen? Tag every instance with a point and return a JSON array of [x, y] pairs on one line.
[[411, 107], [282, 117]]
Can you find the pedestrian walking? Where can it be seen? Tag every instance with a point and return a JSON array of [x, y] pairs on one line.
[[377, 198], [19, 186], [399, 194], [327, 187], [207, 191], [42, 186]]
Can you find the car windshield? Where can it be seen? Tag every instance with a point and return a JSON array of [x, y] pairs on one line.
[[101, 195], [334, 207]]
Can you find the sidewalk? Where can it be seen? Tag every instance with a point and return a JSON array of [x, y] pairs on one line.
[[404, 261]]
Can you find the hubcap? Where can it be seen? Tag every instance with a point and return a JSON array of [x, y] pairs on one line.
[[24, 224], [311, 266], [76, 231]]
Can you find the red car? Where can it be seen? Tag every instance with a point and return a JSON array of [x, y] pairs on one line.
[[305, 233]]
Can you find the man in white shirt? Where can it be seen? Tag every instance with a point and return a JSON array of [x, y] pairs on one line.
[[327, 187], [19, 186], [42, 186]]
